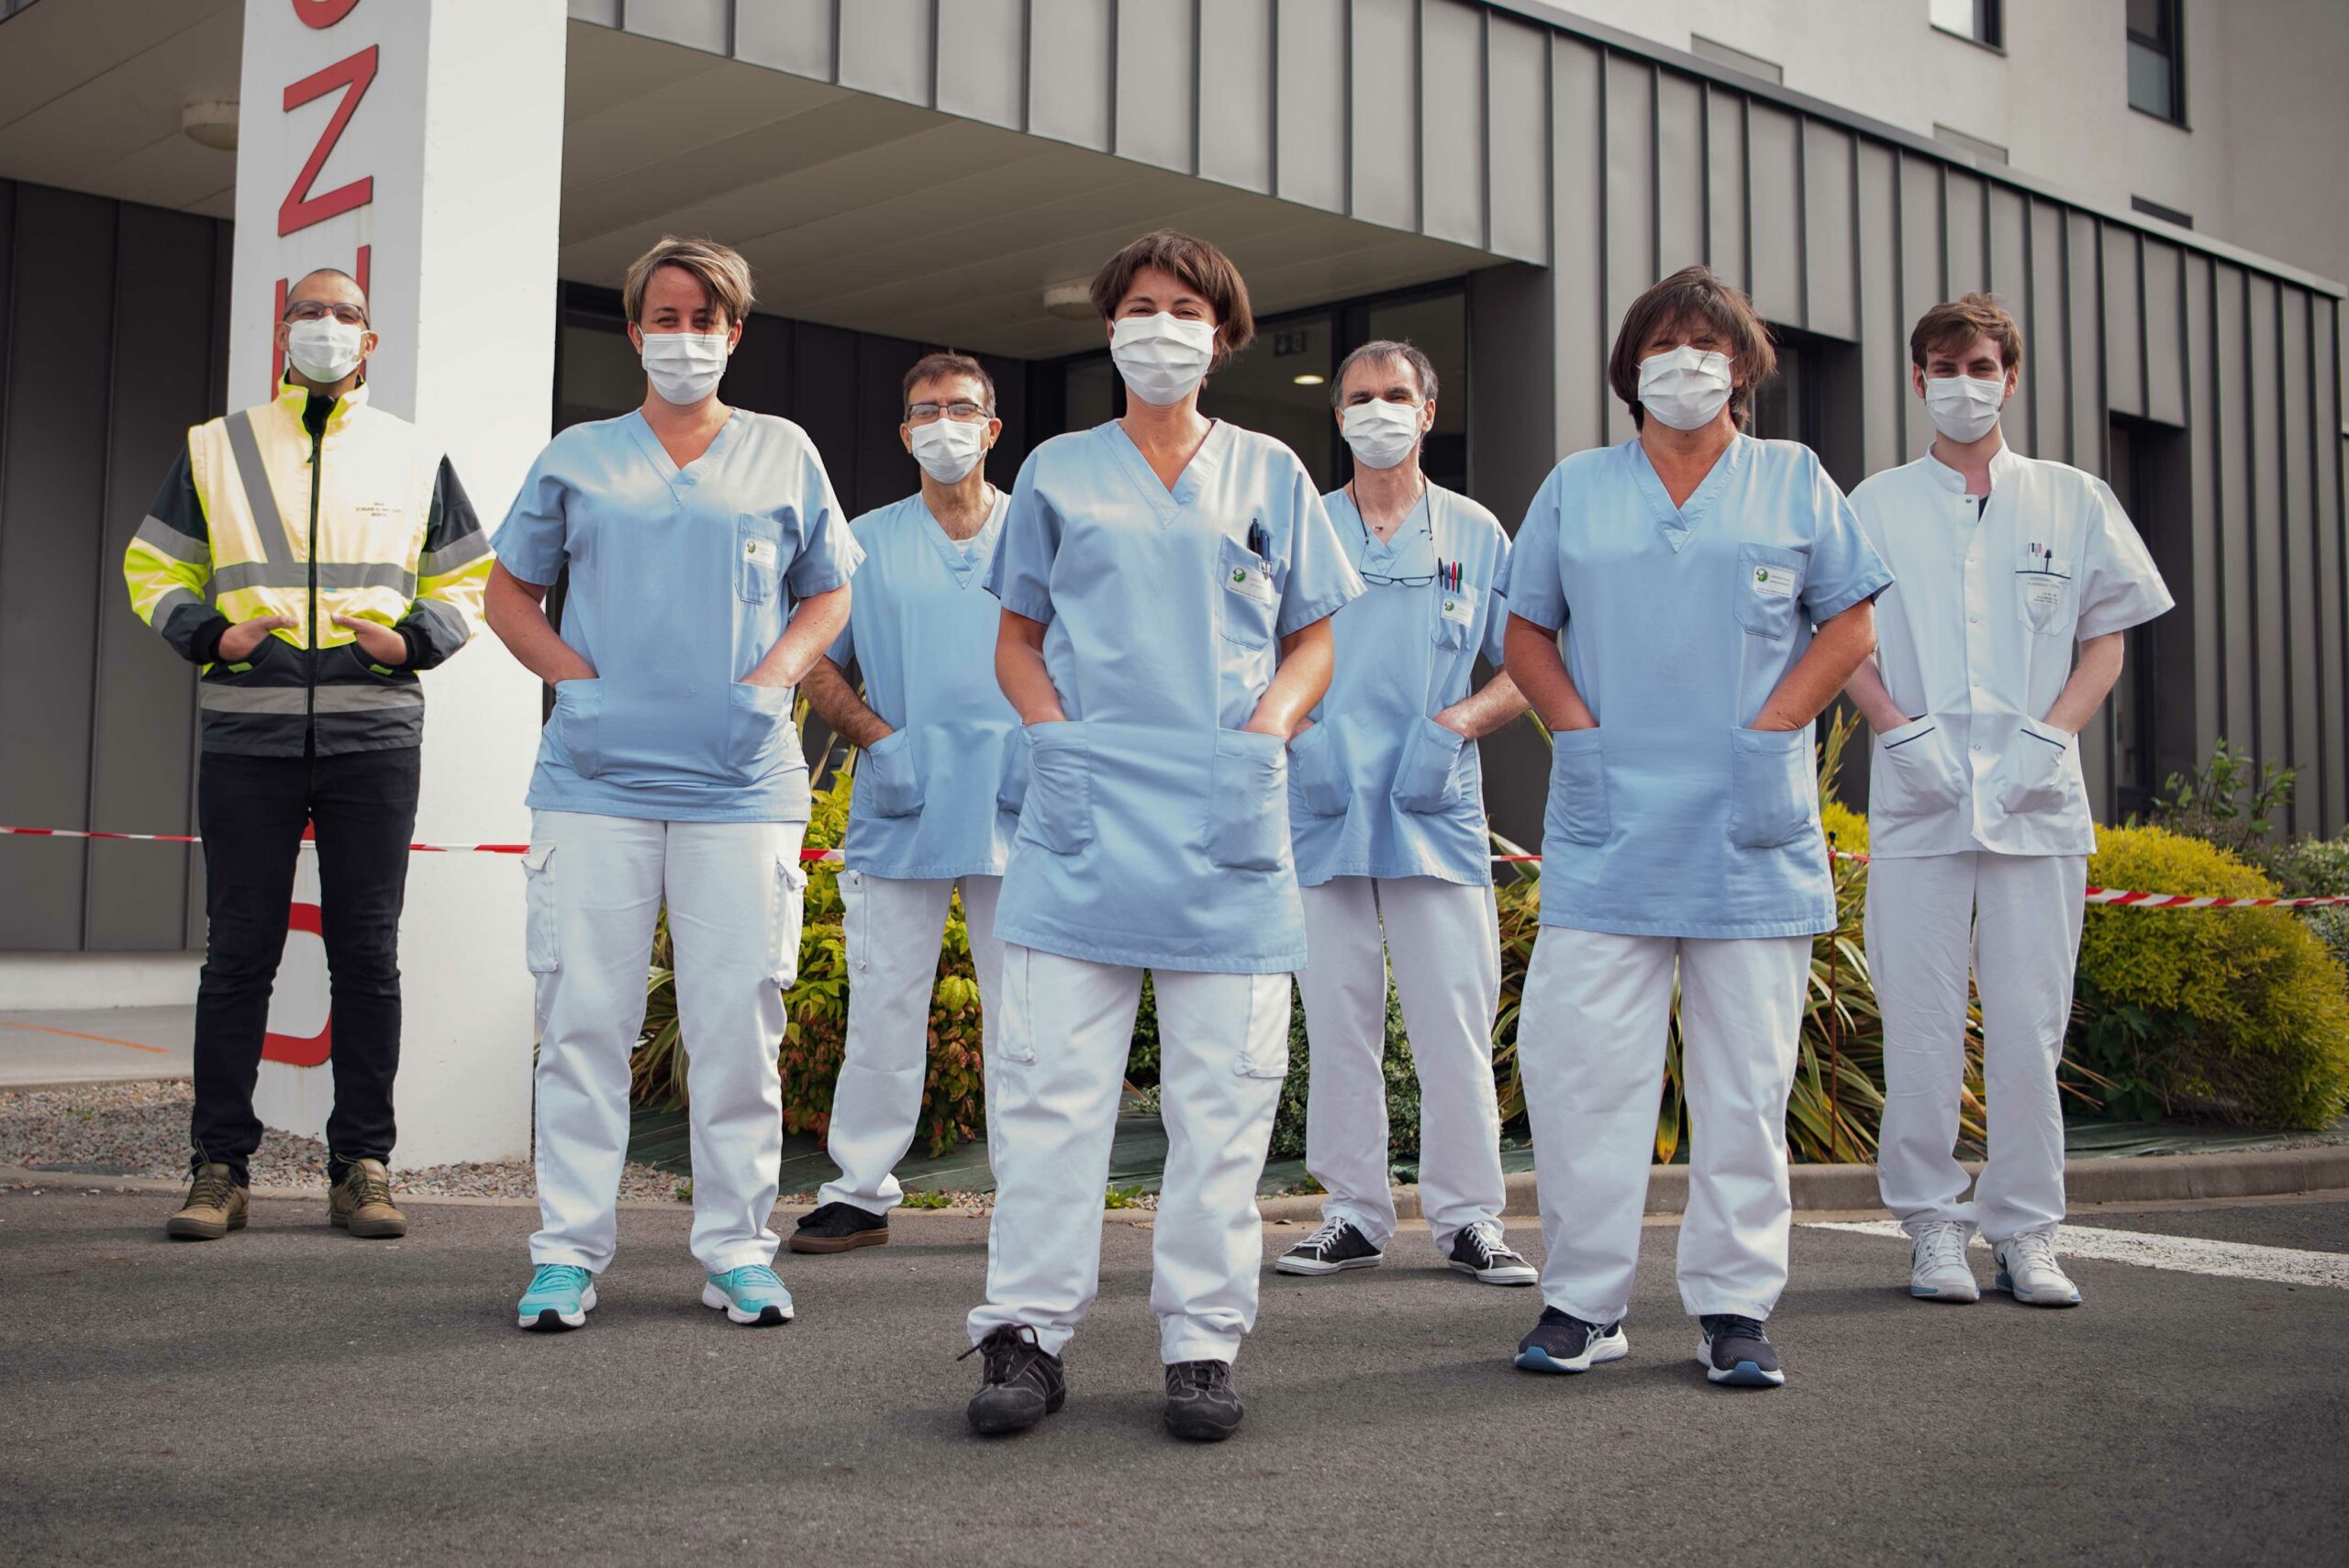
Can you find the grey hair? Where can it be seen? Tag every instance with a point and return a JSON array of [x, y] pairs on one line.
[[1385, 349]]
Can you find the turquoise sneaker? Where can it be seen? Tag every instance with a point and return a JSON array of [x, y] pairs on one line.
[[752, 1297], [560, 1297]]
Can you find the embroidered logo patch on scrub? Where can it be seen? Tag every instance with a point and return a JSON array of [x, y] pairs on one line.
[[1773, 582]]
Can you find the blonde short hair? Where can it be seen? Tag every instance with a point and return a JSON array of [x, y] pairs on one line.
[[724, 276]]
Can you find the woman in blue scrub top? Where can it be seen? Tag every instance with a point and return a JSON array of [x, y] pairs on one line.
[[708, 569], [1166, 580], [1714, 593]]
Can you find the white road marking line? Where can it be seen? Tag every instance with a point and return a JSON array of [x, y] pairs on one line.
[[2186, 1254]]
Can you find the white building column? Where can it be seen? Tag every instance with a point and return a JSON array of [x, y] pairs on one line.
[[418, 145]]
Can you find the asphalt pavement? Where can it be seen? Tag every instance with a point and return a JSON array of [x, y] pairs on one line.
[[291, 1395]]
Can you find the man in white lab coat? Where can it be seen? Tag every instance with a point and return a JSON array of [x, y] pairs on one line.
[[1979, 830]]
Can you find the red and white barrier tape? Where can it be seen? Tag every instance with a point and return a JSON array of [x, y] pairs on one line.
[[2121, 898]]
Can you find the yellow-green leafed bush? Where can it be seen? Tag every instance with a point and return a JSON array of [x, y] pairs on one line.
[[2237, 1014], [1846, 829]]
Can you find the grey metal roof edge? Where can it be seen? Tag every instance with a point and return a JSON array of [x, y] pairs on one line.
[[1559, 20]]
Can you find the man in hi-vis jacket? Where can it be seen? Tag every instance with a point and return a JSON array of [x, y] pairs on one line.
[[312, 554]]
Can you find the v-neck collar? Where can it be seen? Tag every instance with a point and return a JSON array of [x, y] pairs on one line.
[[1678, 523], [1368, 549], [681, 480], [960, 564], [1168, 503]]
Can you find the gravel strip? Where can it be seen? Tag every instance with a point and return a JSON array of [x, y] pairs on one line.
[[140, 1129]]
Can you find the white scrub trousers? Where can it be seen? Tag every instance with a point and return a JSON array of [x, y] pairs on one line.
[[1067, 1025], [596, 887], [2017, 919], [893, 927], [1591, 1042], [1443, 939]]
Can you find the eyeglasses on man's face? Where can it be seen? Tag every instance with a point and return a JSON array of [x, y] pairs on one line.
[[317, 310], [962, 411]]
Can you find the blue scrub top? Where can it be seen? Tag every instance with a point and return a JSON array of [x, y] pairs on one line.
[[1672, 819], [682, 581], [1376, 787], [1156, 830], [939, 796]]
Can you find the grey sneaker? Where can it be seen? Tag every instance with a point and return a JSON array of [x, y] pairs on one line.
[[1563, 1342], [1736, 1352], [1020, 1383], [1479, 1251], [1201, 1405], [1334, 1246], [2028, 1270], [1937, 1267]]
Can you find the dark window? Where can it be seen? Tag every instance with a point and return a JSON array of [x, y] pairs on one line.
[[1980, 20], [2166, 214], [2153, 722], [2157, 57]]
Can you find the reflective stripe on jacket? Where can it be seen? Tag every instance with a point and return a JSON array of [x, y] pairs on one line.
[[268, 514]]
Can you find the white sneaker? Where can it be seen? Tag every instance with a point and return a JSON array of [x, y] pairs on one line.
[[1937, 1267], [2028, 1269]]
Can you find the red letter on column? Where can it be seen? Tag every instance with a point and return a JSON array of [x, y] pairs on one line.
[[300, 209]]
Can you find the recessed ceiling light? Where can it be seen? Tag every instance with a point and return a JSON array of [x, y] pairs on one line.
[[1071, 300], [1310, 379], [210, 122]]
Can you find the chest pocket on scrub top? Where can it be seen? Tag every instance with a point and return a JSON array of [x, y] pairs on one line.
[[2044, 593], [1769, 589], [1455, 615], [1244, 595], [758, 559]]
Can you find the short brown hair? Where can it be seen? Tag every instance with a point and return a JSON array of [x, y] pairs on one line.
[[941, 364], [1694, 294], [1204, 270], [1378, 350], [724, 276], [1952, 327]]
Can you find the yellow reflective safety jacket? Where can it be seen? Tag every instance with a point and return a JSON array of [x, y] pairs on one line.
[[309, 508]]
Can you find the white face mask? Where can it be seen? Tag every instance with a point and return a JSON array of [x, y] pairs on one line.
[[686, 367], [325, 349], [949, 448], [1381, 433], [1160, 357], [1962, 408], [1686, 387]]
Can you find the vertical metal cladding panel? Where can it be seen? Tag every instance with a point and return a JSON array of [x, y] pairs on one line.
[[2163, 308], [884, 470], [1883, 333], [1451, 112], [885, 49], [1679, 173], [1966, 265], [981, 60], [2086, 322], [1830, 261], [53, 506], [1070, 73], [1517, 139], [1725, 226], [2307, 720], [823, 360], [2204, 595], [2124, 322], [1629, 89], [2332, 559], [1157, 97], [2231, 377], [2009, 280], [1236, 91], [2047, 362], [603, 12], [1309, 68], [797, 36], [1579, 220], [1773, 210], [758, 375], [2270, 610], [1384, 113], [142, 750], [696, 24], [1920, 274]]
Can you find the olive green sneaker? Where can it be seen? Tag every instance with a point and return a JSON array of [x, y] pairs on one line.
[[216, 1206], [361, 1202]]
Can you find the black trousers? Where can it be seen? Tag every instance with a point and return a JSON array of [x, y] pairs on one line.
[[251, 812]]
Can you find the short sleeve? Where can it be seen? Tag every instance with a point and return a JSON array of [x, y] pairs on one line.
[[1530, 580], [530, 542], [829, 553], [1316, 580], [1021, 575], [1497, 609], [1845, 570], [2120, 586]]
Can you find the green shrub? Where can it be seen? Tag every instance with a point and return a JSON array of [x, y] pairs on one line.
[[2236, 1014]]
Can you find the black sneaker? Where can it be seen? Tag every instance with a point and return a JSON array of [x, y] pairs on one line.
[[1337, 1245], [841, 1227], [1559, 1342], [1201, 1403], [1478, 1249], [1736, 1352], [1021, 1384]]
